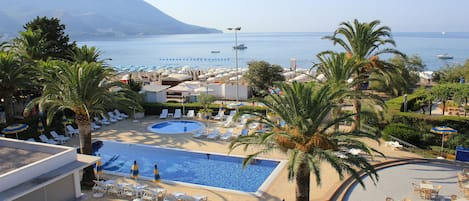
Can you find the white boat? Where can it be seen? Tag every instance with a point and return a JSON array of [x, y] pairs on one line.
[[215, 51], [444, 56], [240, 47]]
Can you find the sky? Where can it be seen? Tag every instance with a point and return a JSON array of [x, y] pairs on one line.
[[319, 15]]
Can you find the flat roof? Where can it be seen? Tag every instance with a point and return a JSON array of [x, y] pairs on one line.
[[155, 87], [12, 158]]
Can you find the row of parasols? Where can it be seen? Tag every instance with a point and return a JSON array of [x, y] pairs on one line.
[[18, 128], [134, 172]]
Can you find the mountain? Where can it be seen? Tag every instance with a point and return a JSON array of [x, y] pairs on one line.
[[95, 18]]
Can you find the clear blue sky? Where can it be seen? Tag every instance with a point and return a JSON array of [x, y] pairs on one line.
[[319, 15]]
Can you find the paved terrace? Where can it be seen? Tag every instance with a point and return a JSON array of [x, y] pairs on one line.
[[12, 158], [281, 188]]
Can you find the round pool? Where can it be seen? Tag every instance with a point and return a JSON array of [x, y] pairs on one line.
[[176, 127]]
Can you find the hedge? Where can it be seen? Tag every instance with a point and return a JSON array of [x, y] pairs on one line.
[[155, 108]]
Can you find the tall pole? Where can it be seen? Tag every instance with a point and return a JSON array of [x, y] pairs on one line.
[[236, 29]]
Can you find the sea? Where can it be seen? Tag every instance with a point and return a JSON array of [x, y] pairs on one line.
[[204, 51]]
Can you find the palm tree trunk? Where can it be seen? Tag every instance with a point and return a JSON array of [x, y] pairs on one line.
[[84, 125], [444, 107], [8, 109], [303, 178], [430, 107], [356, 118]]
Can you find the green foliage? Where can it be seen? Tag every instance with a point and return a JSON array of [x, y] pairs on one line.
[[85, 54], [155, 108], [261, 76], [402, 131], [205, 100], [457, 140], [56, 44], [452, 73]]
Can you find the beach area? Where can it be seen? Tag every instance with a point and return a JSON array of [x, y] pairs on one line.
[[280, 188]]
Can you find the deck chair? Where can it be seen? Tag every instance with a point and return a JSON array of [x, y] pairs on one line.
[[200, 198], [113, 116], [61, 138], [244, 132], [232, 113], [220, 116], [214, 134], [45, 139], [120, 114], [164, 114], [104, 118], [177, 114], [94, 126], [100, 121], [71, 130], [31, 139], [228, 122], [99, 189], [228, 135], [199, 134], [190, 114]]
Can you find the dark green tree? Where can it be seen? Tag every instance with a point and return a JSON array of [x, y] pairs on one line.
[[56, 43], [365, 42], [261, 76]]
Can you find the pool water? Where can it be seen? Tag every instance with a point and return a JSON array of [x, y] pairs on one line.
[[183, 166], [176, 127]]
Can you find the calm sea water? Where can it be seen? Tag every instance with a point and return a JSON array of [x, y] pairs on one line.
[[215, 50]]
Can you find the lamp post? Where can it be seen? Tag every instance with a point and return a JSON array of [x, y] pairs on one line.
[[236, 29]]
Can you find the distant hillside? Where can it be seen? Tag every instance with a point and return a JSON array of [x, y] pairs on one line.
[[95, 18]]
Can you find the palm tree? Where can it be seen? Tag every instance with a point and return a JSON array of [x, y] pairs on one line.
[[306, 137], [86, 54], [362, 42], [13, 77], [83, 89]]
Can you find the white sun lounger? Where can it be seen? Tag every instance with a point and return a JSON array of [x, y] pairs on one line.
[[164, 114], [120, 114], [104, 118], [61, 138], [113, 116], [220, 115], [94, 126], [72, 131], [228, 135], [199, 134], [214, 134], [100, 121], [177, 114], [45, 139], [190, 114]]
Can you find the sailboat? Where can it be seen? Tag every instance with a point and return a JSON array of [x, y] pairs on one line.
[[444, 56]]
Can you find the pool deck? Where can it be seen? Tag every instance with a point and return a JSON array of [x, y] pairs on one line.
[[280, 188]]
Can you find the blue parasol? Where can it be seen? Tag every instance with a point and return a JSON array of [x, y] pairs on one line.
[[15, 129], [443, 130]]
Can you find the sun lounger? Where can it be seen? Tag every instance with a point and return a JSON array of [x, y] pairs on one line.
[[99, 189], [113, 116], [190, 114], [199, 134], [104, 118], [61, 138], [228, 135], [45, 139], [228, 122], [244, 132], [214, 134], [94, 126], [120, 114], [71, 130], [220, 116], [200, 197], [164, 114], [177, 114], [100, 121], [31, 139]]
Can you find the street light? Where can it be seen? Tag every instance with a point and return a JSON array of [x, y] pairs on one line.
[[236, 29]]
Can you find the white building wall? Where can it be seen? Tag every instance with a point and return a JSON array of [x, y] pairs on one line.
[[230, 91], [161, 97], [155, 97]]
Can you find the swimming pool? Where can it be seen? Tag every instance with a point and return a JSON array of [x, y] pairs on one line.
[[207, 169], [176, 127]]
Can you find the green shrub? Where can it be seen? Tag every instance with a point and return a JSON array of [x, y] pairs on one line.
[[457, 140], [403, 132]]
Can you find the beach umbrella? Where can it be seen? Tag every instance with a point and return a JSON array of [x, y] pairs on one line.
[[15, 129], [443, 130], [40, 127], [134, 171], [157, 175], [99, 168]]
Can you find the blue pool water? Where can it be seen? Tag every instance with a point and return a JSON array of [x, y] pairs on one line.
[[176, 127], [184, 166]]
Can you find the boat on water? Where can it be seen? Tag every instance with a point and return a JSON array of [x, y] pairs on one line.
[[444, 56], [240, 47], [215, 51]]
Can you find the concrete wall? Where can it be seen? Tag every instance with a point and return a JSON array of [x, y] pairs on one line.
[[61, 190], [230, 92]]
